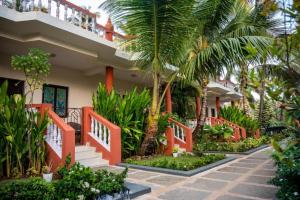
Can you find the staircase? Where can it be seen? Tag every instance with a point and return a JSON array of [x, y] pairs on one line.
[[87, 156]]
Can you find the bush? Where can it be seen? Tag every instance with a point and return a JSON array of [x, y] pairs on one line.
[[128, 112], [29, 189], [238, 117], [81, 182], [184, 162], [218, 132], [241, 146], [288, 169]]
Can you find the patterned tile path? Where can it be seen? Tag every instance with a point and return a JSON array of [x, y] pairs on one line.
[[245, 178]]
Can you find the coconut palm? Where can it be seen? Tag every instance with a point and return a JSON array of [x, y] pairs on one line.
[[222, 30], [157, 30]]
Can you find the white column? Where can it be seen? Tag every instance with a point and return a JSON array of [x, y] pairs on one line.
[[40, 5], [80, 18], [73, 15], [32, 5], [93, 24], [23, 6], [66, 12], [57, 8], [49, 6], [14, 4]]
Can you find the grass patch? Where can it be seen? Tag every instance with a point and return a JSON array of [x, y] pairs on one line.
[[184, 162], [241, 146]]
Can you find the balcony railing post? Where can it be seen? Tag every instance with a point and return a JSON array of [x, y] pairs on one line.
[[40, 5], [66, 12], [23, 6], [57, 8], [14, 4], [79, 18], [49, 6], [93, 24], [73, 15], [32, 5]]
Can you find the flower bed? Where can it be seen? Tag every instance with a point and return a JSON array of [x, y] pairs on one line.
[[78, 182], [184, 162], [242, 146]]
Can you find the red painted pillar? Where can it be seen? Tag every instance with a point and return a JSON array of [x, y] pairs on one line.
[[109, 75], [198, 106], [218, 105], [109, 78], [168, 100]]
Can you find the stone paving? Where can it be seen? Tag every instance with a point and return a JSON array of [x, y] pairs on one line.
[[245, 178]]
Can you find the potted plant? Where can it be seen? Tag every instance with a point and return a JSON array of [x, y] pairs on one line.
[[175, 152], [47, 174]]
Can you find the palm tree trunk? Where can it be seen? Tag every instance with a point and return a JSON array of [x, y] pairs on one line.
[[262, 95], [243, 88], [201, 119], [147, 147]]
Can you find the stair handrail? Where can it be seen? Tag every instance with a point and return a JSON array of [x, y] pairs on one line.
[[102, 134], [182, 135], [59, 137]]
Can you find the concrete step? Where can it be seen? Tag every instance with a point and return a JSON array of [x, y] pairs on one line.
[[88, 157], [82, 155], [93, 163], [83, 148]]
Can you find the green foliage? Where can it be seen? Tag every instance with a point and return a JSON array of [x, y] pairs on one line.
[[238, 117], [128, 112], [16, 130], [288, 168], [293, 109], [240, 146], [218, 132], [183, 162], [80, 181], [268, 113], [30, 189]]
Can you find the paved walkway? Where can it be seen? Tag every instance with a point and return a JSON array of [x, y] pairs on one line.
[[245, 178]]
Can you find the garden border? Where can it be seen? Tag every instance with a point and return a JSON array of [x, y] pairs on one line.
[[136, 190], [179, 172], [248, 152]]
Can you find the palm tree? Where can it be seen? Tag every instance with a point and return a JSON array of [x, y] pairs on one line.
[[222, 30], [157, 33]]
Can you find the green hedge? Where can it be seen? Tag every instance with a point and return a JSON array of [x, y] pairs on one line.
[[184, 162], [247, 144]]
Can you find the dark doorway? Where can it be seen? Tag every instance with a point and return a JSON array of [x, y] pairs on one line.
[[58, 97], [14, 86]]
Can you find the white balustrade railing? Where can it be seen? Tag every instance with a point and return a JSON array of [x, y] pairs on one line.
[[100, 133], [63, 10], [179, 132], [54, 138]]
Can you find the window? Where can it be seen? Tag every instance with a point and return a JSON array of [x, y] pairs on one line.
[[14, 86], [58, 97]]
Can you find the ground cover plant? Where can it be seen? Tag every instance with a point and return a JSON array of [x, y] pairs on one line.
[[241, 146], [184, 162]]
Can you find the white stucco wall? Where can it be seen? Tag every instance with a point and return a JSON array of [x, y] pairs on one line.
[[81, 87]]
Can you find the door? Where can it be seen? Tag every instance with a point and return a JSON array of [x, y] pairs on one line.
[[14, 86], [58, 97]]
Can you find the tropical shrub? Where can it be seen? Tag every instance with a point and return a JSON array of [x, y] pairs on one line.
[[237, 116], [184, 162], [81, 182], [31, 189], [218, 132], [241, 146], [17, 128], [128, 112]]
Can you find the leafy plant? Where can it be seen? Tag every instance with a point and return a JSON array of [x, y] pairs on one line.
[[128, 113], [218, 132], [237, 116], [15, 125], [32, 188]]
